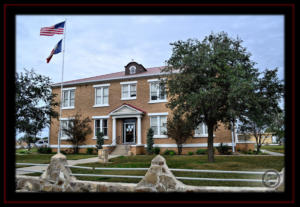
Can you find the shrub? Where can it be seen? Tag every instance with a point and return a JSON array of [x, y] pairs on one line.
[[63, 152], [89, 151], [24, 151], [150, 141], [201, 151], [190, 153], [100, 140], [169, 152], [223, 149], [44, 150], [156, 150]]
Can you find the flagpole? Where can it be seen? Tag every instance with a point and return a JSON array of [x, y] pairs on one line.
[[61, 89]]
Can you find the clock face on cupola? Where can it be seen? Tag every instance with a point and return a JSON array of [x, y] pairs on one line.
[[133, 68]]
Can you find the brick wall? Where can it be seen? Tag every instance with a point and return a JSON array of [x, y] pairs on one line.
[[84, 102]]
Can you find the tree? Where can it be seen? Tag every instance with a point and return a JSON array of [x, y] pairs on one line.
[[77, 131], [179, 129], [263, 107], [277, 127], [100, 140], [150, 141], [209, 81], [34, 103]]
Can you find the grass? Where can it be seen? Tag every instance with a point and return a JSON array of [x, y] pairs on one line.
[[274, 148], [248, 163]]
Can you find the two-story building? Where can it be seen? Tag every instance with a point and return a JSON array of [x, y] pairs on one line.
[[124, 105]]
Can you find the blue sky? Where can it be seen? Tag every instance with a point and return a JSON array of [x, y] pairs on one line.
[[101, 44]]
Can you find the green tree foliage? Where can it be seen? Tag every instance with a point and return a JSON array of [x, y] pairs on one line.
[[263, 106], [150, 141], [34, 103], [209, 81], [77, 131], [179, 129], [277, 128], [100, 140]]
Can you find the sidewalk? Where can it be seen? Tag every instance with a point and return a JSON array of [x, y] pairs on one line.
[[70, 162], [272, 153]]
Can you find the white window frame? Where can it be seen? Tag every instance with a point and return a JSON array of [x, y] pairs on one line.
[[69, 98], [128, 83], [158, 115], [67, 120], [155, 81], [101, 125], [101, 87], [132, 70], [203, 129]]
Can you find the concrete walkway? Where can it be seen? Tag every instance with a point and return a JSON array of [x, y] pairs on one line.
[[70, 162], [272, 153]]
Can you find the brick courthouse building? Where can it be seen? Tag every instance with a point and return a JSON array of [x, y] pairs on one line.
[[124, 105]]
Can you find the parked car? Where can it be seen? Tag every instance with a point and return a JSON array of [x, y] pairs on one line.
[[41, 143]]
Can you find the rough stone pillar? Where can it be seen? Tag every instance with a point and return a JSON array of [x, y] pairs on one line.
[[57, 174], [159, 178], [103, 157]]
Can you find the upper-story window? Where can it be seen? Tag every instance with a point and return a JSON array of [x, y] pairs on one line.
[[128, 90], [68, 98], [132, 70], [157, 91], [101, 95], [201, 130]]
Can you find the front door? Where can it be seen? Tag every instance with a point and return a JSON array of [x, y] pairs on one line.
[[129, 133]]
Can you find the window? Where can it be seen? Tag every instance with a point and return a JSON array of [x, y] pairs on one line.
[[128, 90], [157, 91], [101, 95], [68, 98], [201, 130], [100, 126], [159, 126], [132, 70], [64, 125]]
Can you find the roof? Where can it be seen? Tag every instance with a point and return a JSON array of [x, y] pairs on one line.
[[113, 76]]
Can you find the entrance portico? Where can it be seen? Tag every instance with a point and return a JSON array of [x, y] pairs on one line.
[[132, 130]]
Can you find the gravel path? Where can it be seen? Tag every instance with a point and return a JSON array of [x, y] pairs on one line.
[[70, 162], [272, 153]]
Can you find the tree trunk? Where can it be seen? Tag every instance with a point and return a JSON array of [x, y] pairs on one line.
[[179, 148], [259, 144], [210, 143]]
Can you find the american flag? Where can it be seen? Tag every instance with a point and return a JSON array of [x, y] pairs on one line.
[[55, 29]]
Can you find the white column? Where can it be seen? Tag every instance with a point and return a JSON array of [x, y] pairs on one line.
[[139, 134], [114, 137]]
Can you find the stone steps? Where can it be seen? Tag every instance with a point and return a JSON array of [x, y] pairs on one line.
[[121, 150]]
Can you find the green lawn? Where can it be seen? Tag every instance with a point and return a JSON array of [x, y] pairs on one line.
[[251, 163], [274, 148]]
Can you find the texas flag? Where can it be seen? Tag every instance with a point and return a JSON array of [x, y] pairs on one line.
[[56, 50]]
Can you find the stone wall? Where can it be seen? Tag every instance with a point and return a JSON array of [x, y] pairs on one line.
[[58, 178]]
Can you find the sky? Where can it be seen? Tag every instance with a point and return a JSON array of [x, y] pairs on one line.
[[102, 44]]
